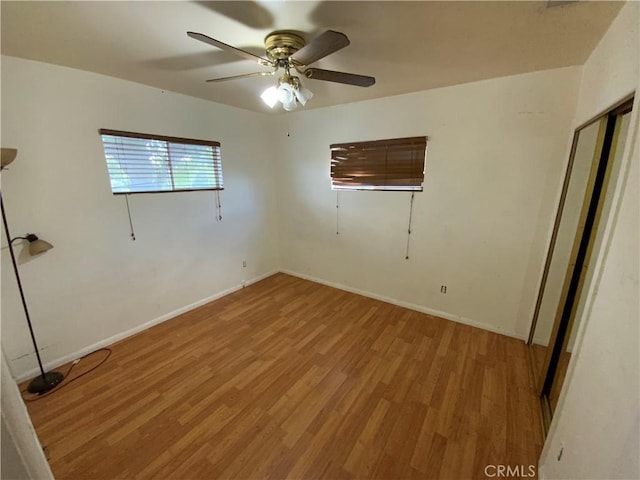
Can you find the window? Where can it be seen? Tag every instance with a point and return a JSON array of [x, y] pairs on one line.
[[396, 164], [141, 163]]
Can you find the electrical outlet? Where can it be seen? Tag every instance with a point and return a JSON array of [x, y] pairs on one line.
[[244, 264], [443, 289]]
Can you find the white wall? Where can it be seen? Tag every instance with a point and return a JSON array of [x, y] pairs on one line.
[[97, 284], [11, 464], [493, 148], [24, 452], [598, 418], [612, 68]]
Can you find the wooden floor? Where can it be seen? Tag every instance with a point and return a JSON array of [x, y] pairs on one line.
[[291, 379]]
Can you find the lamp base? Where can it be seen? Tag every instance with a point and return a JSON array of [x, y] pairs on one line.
[[42, 384]]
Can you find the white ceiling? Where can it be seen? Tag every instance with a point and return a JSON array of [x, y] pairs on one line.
[[407, 46]]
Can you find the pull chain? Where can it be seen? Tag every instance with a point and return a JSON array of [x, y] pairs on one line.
[[218, 207], [409, 228], [337, 213], [133, 234]]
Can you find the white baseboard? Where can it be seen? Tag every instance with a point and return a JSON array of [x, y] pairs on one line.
[[138, 328], [410, 306]]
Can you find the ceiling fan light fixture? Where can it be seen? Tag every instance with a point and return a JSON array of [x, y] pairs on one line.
[[270, 96], [289, 93], [303, 95], [291, 105], [285, 94]]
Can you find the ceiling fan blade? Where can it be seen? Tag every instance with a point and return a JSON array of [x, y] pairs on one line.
[[339, 77], [327, 43], [245, 75], [229, 48]]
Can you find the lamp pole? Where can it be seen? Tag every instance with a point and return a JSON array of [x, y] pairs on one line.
[[46, 381]]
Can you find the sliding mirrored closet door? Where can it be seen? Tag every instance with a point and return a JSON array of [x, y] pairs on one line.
[[585, 201]]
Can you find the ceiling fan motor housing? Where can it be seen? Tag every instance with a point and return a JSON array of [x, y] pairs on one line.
[[280, 45]]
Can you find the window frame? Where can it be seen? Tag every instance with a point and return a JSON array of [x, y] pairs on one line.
[[216, 158]]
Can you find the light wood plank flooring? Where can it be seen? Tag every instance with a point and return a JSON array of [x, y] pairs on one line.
[[291, 379]]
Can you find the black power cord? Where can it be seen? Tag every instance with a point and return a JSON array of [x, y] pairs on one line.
[[66, 382]]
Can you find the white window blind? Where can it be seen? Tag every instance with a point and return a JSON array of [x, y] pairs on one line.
[[395, 164], [142, 163]]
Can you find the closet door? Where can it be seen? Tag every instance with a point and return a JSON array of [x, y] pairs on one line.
[[616, 150], [585, 200]]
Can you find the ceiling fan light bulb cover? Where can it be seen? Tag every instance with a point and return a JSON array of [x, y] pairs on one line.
[[285, 94], [290, 106], [270, 96], [39, 246], [303, 95]]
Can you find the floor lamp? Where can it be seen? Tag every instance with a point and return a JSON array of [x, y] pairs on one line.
[[46, 380]]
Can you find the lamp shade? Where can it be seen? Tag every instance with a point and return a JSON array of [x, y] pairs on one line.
[[39, 246], [36, 245], [8, 156]]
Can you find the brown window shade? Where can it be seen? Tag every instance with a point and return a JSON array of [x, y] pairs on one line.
[[396, 164], [143, 163]]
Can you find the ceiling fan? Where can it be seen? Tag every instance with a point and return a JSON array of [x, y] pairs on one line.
[[287, 50]]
